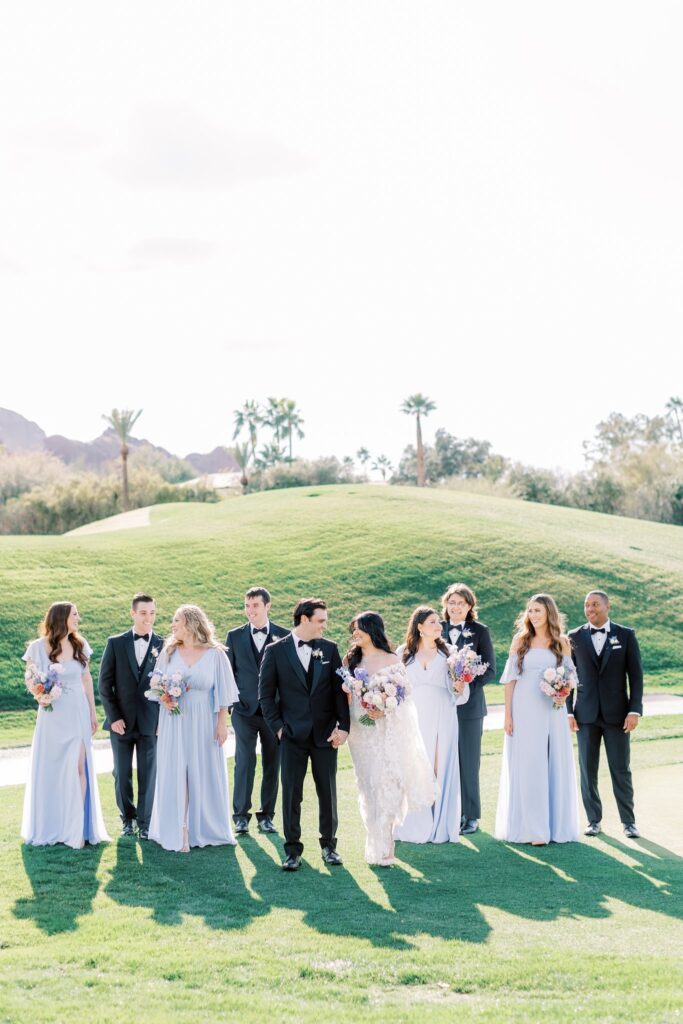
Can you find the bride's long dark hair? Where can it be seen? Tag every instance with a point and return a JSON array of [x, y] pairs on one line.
[[372, 624]]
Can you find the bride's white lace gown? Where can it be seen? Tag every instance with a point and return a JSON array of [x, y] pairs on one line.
[[393, 775]]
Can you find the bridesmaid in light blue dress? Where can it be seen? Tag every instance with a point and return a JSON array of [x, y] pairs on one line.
[[538, 796], [61, 800], [191, 804], [424, 654]]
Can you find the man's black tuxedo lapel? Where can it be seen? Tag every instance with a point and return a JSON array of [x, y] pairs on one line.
[[130, 651], [154, 641], [294, 660], [606, 650], [317, 663]]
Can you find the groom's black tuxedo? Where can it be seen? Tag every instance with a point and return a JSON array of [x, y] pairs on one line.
[[307, 707], [471, 716], [250, 725], [122, 685], [610, 687]]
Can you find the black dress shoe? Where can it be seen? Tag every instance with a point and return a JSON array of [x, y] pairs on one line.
[[143, 833], [470, 826], [128, 828], [331, 857], [593, 828], [292, 863], [630, 831], [241, 827], [266, 825]]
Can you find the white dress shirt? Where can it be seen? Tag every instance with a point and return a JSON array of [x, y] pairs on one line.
[[304, 651], [455, 631], [600, 639], [141, 649], [259, 638]]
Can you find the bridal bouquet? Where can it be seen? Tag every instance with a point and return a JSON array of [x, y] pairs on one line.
[[464, 665], [383, 691], [557, 683], [46, 687], [166, 688]]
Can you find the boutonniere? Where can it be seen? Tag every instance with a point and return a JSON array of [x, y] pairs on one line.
[[155, 652], [317, 654], [614, 640], [466, 632]]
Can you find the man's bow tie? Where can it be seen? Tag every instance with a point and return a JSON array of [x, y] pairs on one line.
[[305, 643], [259, 629], [594, 631], [141, 636]]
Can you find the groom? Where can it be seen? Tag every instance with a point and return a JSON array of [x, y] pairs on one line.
[[132, 720], [304, 705], [606, 707]]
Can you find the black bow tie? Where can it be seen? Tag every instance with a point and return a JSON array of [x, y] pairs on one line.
[[259, 629], [141, 636], [594, 631], [305, 643]]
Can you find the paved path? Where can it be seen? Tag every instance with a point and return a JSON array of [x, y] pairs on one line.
[[14, 761]]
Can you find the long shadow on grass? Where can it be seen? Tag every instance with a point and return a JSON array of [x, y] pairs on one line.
[[206, 883], [330, 899], [446, 888], [64, 883]]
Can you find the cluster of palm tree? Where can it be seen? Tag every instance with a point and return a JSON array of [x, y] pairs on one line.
[[122, 422], [279, 415]]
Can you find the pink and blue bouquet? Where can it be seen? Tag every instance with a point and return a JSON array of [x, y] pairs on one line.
[[45, 687], [558, 683], [166, 688], [464, 665], [384, 690]]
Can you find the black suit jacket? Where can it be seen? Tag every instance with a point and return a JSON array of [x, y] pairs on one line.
[[481, 644], [610, 687], [242, 656], [122, 685], [301, 712]]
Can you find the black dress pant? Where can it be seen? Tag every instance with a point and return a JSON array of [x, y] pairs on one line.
[[249, 729], [295, 758], [469, 754], [145, 748], [618, 747]]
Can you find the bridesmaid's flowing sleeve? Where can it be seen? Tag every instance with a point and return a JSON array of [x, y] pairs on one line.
[[570, 667], [35, 652], [224, 687], [461, 698], [511, 670], [87, 650]]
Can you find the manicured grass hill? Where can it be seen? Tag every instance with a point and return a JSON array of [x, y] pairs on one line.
[[386, 548]]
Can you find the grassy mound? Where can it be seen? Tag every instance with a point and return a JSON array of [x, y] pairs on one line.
[[358, 547]]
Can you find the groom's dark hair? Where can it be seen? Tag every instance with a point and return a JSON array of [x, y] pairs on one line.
[[141, 598], [307, 607], [258, 592]]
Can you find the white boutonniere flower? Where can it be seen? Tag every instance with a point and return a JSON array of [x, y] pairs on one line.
[[317, 654], [614, 640], [155, 652], [467, 632]]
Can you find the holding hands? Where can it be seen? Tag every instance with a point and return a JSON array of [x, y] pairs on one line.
[[338, 737]]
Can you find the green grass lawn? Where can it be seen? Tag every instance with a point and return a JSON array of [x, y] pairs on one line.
[[482, 931], [387, 548]]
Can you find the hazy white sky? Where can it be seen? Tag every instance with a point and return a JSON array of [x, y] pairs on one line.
[[343, 203]]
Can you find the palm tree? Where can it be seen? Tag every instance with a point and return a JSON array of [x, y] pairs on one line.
[[363, 456], [269, 455], [251, 417], [418, 405], [242, 455], [122, 422], [291, 421], [675, 409], [273, 418], [383, 464]]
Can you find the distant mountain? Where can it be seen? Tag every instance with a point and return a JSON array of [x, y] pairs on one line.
[[18, 434]]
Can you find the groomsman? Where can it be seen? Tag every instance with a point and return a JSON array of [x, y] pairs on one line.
[[131, 719], [461, 629], [246, 646], [606, 707]]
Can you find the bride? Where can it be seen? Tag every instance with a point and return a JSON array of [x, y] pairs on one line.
[[393, 773]]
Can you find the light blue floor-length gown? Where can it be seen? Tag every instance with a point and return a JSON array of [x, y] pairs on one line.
[[438, 718], [192, 782], [54, 808], [538, 797]]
